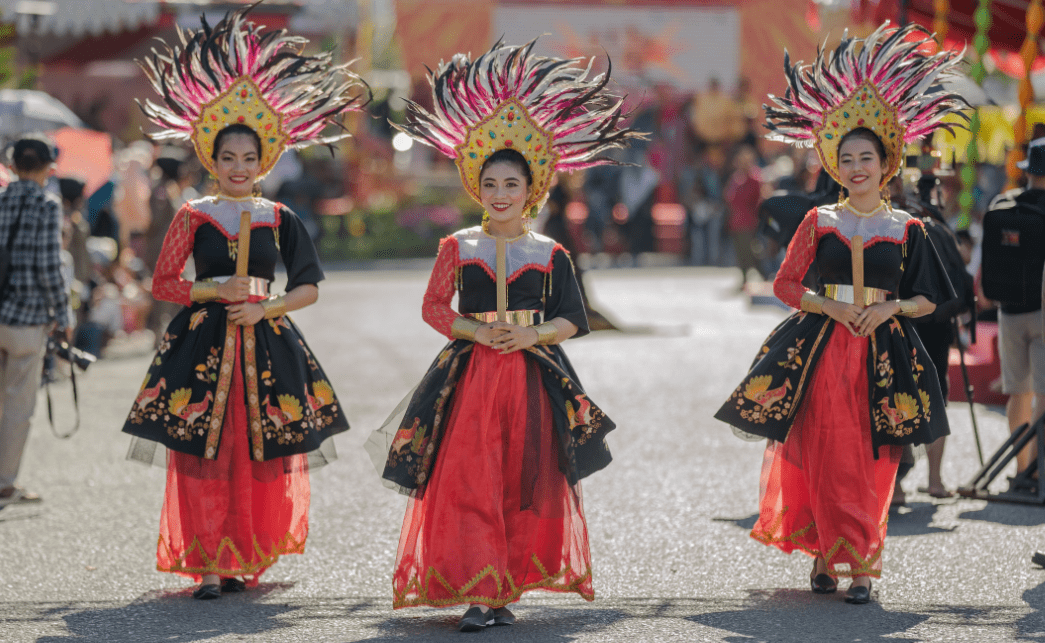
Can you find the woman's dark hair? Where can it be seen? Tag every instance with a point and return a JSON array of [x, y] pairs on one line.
[[512, 157], [867, 135], [32, 154], [235, 128]]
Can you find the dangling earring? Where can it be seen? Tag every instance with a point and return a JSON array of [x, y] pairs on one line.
[[486, 222], [887, 197], [527, 217], [841, 199]]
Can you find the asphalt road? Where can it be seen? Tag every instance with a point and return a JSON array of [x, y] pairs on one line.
[[668, 519]]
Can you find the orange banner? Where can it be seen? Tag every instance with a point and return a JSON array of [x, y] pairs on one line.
[[434, 30], [767, 28]]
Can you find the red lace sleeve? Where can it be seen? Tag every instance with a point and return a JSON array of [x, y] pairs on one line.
[[436, 309], [800, 254], [167, 284]]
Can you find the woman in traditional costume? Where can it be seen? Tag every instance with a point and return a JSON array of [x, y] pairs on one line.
[[841, 385], [234, 393], [493, 443]]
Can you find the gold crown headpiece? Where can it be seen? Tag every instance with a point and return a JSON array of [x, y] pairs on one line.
[[235, 74], [887, 86], [547, 109]]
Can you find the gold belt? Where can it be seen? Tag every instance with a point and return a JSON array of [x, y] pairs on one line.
[[517, 317], [844, 293], [258, 287]]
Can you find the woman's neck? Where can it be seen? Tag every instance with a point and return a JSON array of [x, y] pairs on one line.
[[506, 229], [866, 202]]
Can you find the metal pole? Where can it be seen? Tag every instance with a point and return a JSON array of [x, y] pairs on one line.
[[901, 14]]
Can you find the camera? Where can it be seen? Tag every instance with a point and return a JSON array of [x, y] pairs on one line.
[[62, 350]]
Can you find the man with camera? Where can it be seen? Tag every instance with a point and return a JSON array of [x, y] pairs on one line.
[[1014, 256], [33, 300]]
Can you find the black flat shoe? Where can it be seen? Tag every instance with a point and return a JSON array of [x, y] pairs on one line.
[[1038, 558], [858, 595], [474, 620], [823, 584], [233, 586], [207, 592], [503, 616]]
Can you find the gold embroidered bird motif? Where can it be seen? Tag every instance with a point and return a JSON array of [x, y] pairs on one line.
[[289, 410], [324, 395], [757, 390], [906, 409], [582, 416], [197, 318], [148, 395], [179, 405]]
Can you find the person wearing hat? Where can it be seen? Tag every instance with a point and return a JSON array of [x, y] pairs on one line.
[[33, 300], [1021, 343]]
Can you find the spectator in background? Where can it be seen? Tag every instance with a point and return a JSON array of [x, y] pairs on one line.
[[716, 118], [743, 194], [701, 193], [72, 206], [33, 301], [1021, 343]]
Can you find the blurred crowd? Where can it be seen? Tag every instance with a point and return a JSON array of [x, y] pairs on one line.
[[707, 153], [112, 236]]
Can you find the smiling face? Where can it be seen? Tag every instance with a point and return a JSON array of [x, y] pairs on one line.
[[860, 166], [504, 191], [237, 165]]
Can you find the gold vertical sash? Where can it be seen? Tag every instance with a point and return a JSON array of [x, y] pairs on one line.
[[243, 248], [502, 280], [857, 245]]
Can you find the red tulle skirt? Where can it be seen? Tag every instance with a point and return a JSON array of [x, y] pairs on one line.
[[232, 516], [822, 490], [497, 518]]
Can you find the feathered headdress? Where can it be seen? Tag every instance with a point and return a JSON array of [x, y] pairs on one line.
[[234, 73], [888, 86], [547, 109]]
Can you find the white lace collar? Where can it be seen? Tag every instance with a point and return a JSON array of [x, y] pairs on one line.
[[224, 212], [886, 225], [530, 250]]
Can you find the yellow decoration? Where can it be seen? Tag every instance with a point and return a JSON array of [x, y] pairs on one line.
[[1035, 16], [940, 25], [240, 104], [291, 408], [511, 126], [864, 108]]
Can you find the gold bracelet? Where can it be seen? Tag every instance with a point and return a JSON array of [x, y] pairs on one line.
[[547, 333], [813, 303], [203, 291], [464, 328], [908, 307], [274, 307]]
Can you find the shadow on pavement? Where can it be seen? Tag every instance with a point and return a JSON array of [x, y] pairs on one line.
[[915, 519], [175, 617], [1003, 513], [780, 615], [747, 524], [535, 623], [1032, 626]]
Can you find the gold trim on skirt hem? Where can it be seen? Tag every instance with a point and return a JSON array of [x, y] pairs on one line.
[[287, 545], [462, 596]]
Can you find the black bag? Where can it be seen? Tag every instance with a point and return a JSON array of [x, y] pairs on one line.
[[1014, 254], [7, 251]]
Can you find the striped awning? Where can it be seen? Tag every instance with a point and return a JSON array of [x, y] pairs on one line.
[[78, 18]]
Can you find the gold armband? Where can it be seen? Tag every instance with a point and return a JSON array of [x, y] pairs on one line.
[[274, 307], [813, 303], [204, 291], [908, 307], [547, 333], [464, 328]]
